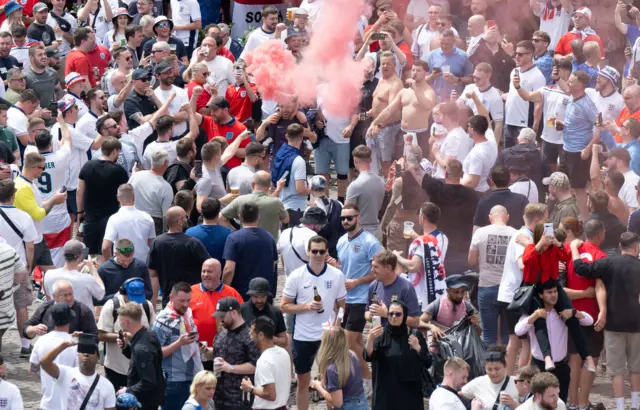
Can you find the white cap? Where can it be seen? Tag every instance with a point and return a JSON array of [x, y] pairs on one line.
[[585, 11]]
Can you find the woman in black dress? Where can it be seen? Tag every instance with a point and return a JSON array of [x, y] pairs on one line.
[[398, 355]]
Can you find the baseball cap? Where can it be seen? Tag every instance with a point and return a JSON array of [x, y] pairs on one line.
[[72, 78], [163, 67], [259, 286], [135, 290], [314, 216], [219, 102], [127, 400], [52, 51], [557, 179], [140, 74], [620, 153], [39, 7], [61, 313], [584, 11], [456, 282], [225, 305], [318, 183], [73, 247], [610, 74]]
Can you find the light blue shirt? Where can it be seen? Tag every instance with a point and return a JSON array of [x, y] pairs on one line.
[[580, 118], [356, 255], [290, 198], [459, 64], [633, 147]]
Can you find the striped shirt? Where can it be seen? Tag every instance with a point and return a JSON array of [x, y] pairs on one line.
[[9, 264]]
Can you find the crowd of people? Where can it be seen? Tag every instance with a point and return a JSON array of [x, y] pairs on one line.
[[153, 203]]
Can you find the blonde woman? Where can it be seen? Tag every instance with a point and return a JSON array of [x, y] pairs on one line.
[[13, 11], [202, 389], [342, 384]]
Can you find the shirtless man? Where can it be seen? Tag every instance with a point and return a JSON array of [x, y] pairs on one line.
[[612, 185], [414, 105], [383, 144]]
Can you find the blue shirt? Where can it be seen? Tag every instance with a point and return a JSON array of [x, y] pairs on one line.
[[633, 32], [213, 237], [459, 64], [355, 255], [592, 72], [580, 117], [545, 65], [633, 147]]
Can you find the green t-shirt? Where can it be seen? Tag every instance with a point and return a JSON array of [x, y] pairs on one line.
[[7, 136]]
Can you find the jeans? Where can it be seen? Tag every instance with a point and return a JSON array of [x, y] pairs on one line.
[[489, 312], [176, 394], [354, 403]]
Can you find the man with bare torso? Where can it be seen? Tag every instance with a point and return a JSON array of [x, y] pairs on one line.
[[383, 144], [414, 105]]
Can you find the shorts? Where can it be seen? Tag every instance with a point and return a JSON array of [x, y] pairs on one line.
[[577, 169], [42, 254], [623, 352], [512, 318], [329, 150], [552, 152], [94, 234], [304, 353], [23, 296], [595, 341], [72, 205], [354, 317], [384, 143]]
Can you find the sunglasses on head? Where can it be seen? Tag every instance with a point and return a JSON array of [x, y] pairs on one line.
[[125, 251], [395, 314], [318, 251], [348, 218]]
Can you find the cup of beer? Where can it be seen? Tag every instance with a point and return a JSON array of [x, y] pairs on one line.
[[235, 190], [408, 228], [446, 69], [551, 121], [172, 49], [216, 366], [290, 12]]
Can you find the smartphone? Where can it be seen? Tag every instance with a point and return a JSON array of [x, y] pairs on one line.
[[376, 321], [197, 165], [63, 189], [437, 70], [491, 23], [193, 334], [53, 107], [284, 176], [377, 36], [548, 229]]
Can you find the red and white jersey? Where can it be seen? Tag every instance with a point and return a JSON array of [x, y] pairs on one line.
[[53, 178]]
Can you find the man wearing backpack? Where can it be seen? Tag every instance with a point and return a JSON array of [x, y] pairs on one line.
[[115, 363]]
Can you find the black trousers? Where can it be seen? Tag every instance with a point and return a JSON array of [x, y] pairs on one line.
[[573, 324], [562, 372], [118, 380]]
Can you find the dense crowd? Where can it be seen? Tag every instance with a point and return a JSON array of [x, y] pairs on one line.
[[468, 232]]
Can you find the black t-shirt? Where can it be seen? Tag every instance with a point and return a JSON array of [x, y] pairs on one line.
[[176, 257], [250, 313], [277, 133], [6, 156], [458, 204], [515, 204], [135, 103], [6, 64], [178, 171], [42, 33], [102, 179]]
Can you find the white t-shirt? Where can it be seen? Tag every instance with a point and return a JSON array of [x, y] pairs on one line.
[[554, 104], [17, 121], [241, 177], [50, 182], [185, 12], [65, 47], [490, 98], [10, 394], [480, 160], [273, 367], [491, 242], [299, 240], [300, 286], [518, 109], [527, 188], [456, 144], [111, 101], [25, 225], [69, 357], [419, 9], [554, 22], [180, 99], [422, 37], [443, 399], [334, 124], [512, 275], [220, 73], [21, 53], [78, 157], [628, 191], [73, 387], [253, 41], [85, 286], [130, 223], [483, 389], [610, 106], [169, 146], [101, 25], [108, 41], [87, 127]]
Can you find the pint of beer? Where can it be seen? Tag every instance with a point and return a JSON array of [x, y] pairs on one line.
[[235, 190], [408, 228], [290, 13], [551, 121]]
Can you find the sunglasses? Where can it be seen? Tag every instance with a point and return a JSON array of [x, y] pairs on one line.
[[125, 251], [318, 251], [519, 380], [18, 79], [348, 218], [395, 314], [537, 40], [522, 54], [163, 25], [111, 126]]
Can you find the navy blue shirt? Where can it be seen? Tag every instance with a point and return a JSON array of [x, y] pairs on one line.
[[114, 275], [254, 252], [213, 237]]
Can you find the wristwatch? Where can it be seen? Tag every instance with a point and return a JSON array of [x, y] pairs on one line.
[[251, 389]]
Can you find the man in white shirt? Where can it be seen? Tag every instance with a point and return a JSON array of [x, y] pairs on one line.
[[545, 391], [128, 223], [85, 287], [166, 76], [187, 21], [456, 144], [9, 392], [221, 72], [63, 24], [61, 315], [606, 95], [293, 242], [269, 30], [488, 94], [273, 368], [618, 159], [75, 84], [478, 163], [17, 120], [425, 32], [456, 373], [87, 123], [241, 177]]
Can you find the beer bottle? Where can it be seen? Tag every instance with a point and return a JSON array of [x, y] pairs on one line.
[[317, 298], [374, 299]]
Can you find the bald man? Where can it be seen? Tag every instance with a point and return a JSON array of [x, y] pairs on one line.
[[475, 28], [272, 210], [631, 96], [204, 301], [487, 252], [122, 86], [175, 256]]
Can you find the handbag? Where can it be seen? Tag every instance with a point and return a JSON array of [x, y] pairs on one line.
[[523, 298]]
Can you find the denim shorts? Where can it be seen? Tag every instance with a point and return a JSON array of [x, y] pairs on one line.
[[354, 403], [329, 150]]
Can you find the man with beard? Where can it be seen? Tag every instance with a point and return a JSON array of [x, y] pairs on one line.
[[229, 127], [166, 74], [241, 177], [545, 393], [97, 108], [124, 64], [175, 256], [456, 372], [179, 174], [236, 354], [55, 57], [177, 333], [414, 104], [269, 30], [72, 384], [41, 78], [39, 30], [274, 128], [142, 102], [258, 306]]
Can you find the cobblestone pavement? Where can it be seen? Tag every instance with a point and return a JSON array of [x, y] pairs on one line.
[[17, 369]]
